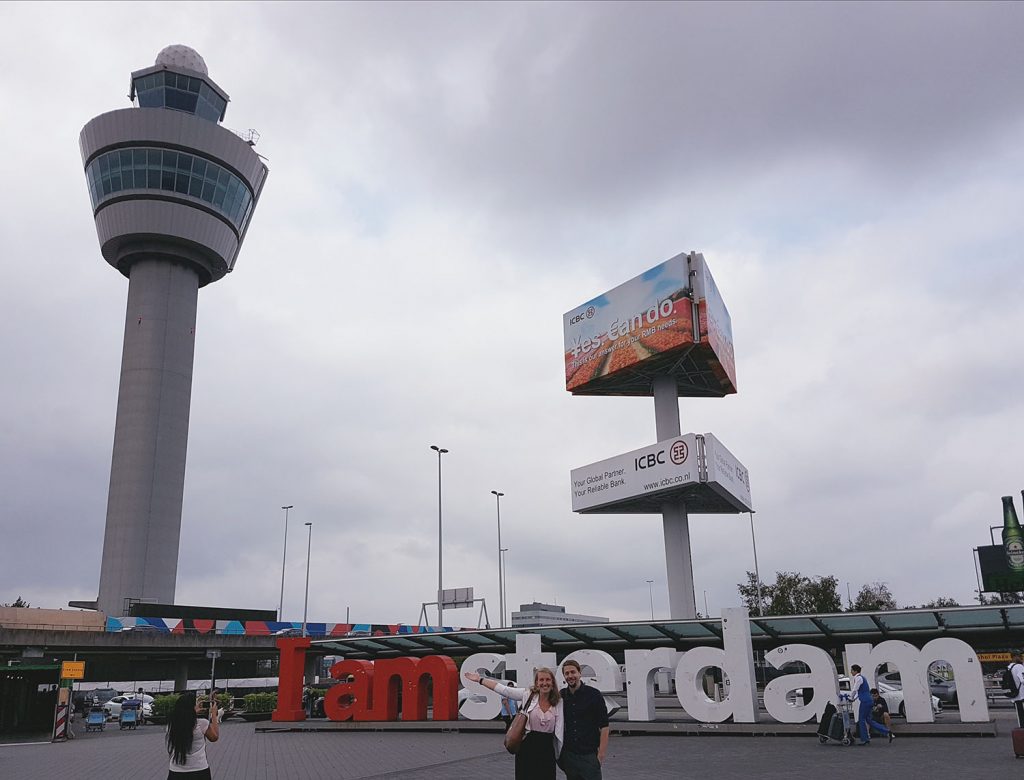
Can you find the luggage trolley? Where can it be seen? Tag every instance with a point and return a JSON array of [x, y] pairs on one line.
[[129, 717], [836, 722], [96, 718]]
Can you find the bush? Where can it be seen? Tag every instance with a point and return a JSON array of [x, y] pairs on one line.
[[260, 702], [162, 705]]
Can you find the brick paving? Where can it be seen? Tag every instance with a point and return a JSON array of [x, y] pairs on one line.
[[244, 754]]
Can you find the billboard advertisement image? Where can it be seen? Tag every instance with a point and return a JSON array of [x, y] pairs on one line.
[[996, 574], [724, 473], [715, 322], [618, 342], [650, 470], [694, 468], [1002, 565], [644, 317]]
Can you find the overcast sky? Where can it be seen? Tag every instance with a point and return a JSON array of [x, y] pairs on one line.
[[446, 180]]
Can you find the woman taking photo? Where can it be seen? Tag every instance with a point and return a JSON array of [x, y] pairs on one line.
[[544, 724], [187, 735]]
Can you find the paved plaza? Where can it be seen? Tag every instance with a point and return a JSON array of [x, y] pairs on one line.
[[244, 754]]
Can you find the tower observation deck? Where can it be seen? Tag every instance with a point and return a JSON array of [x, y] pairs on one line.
[[172, 193]]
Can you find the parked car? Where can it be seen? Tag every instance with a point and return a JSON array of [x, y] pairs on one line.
[[113, 707], [893, 698], [83, 699], [944, 689]]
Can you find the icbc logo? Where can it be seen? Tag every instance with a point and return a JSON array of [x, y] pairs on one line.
[[590, 312], [679, 452]]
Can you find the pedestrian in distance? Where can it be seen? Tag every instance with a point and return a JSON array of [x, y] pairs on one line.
[[1016, 667], [187, 735], [586, 727], [544, 722], [859, 688]]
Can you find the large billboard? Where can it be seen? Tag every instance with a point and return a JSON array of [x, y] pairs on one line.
[[724, 473], [668, 321], [996, 574], [651, 470], [694, 468], [714, 320]]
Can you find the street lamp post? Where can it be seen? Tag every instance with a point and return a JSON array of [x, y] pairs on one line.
[[650, 587], [757, 574], [501, 576], [440, 610], [305, 601], [504, 584], [284, 557]]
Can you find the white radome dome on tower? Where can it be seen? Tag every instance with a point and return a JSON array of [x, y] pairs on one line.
[[180, 56]]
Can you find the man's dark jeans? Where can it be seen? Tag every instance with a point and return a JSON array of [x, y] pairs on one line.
[[580, 766]]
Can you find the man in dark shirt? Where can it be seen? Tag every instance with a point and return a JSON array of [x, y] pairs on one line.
[[586, 727]]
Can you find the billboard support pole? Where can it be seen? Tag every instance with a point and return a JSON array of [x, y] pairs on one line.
[[682, 599]]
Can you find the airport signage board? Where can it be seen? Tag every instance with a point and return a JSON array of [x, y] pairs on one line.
[[646, 316], [995, 658], [456, 598], [72, 670], [663, 467]]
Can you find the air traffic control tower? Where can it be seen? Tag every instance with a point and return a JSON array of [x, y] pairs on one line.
[[172, 193]]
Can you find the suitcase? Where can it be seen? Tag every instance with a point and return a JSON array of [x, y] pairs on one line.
[[1018, 742], [825, 723], [837, 729]]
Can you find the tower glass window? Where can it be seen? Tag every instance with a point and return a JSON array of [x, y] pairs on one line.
[[170, 171], [181, 93]]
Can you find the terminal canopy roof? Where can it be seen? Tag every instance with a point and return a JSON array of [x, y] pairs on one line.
[[989, 626]]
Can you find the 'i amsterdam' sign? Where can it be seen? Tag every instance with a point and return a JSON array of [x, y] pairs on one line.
[[370, 691]]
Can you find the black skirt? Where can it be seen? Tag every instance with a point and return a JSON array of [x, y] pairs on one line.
[[536, 757]]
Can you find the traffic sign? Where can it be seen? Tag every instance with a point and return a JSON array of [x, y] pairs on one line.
[[72, 670]]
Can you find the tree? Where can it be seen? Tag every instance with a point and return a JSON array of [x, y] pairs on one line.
[[873, 597], [940, 602], [754, 600], [19, 603], [1012, 597], [792, 594]]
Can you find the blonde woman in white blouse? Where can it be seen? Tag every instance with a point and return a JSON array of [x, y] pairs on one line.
[[545, 726]]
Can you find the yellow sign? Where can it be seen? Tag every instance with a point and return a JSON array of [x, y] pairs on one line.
[[72, 670], [983, 657]]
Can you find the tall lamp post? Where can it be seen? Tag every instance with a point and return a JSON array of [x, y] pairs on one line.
[[284, 557], [305, 601], [650, 587], [440, 610], [757, 574], [504, 585], [501, 577]]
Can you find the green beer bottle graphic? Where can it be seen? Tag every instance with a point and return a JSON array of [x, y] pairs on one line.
[[1013, 536]]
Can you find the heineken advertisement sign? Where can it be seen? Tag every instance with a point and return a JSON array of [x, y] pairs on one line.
[[1002, 565], [996, 574]]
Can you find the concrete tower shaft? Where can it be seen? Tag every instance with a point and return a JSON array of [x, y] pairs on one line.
[[172, 193], [147, 473]]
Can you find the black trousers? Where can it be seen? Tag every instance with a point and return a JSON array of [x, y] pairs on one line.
[[580, 766], [1019, 706], [200, 774], [536, 757]]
